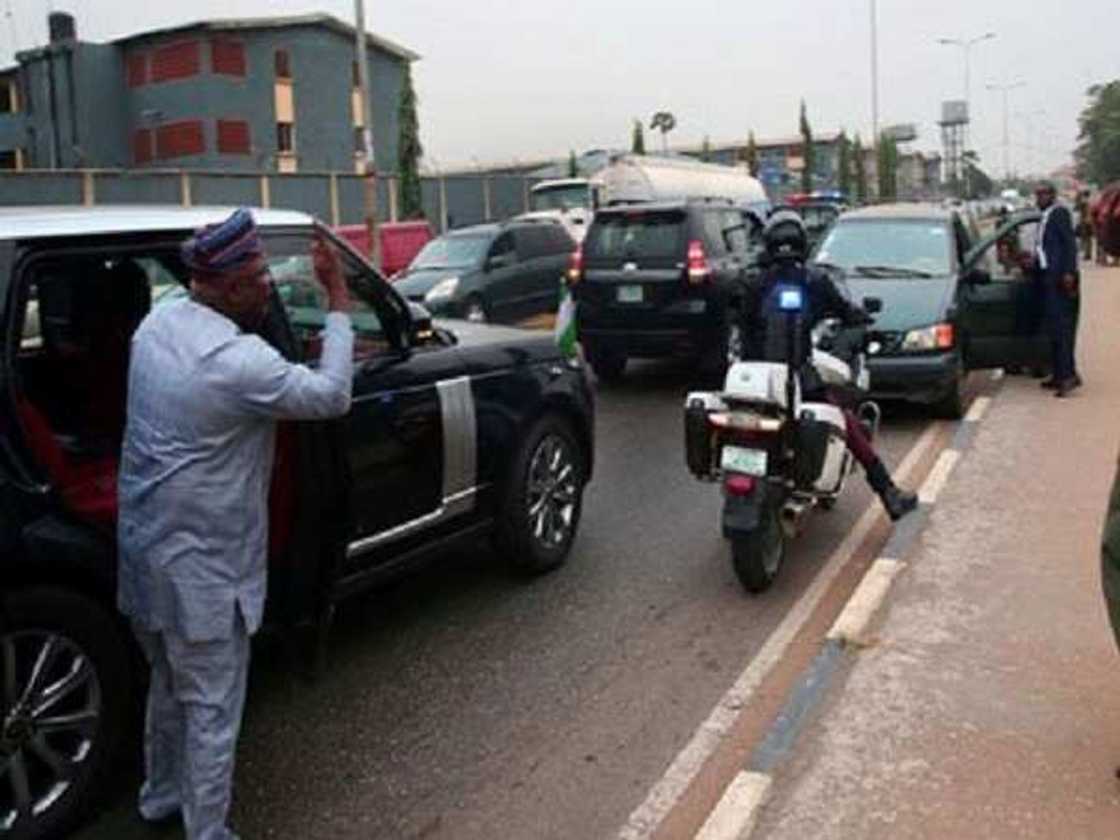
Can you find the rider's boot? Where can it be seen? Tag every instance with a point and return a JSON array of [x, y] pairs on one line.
[[897, 502]]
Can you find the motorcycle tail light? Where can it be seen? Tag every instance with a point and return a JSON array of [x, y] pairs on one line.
[[739, 485]]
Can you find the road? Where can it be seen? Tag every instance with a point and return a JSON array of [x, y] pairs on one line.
[[465, 703]]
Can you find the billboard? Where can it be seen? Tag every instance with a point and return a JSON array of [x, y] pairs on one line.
[[902, 133]]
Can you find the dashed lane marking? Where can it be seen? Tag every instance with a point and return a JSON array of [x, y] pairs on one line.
[[851, 624], [979, 408], [938, 476], [738, 808]]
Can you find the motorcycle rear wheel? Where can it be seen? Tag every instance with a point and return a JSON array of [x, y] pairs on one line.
[[757, 556]]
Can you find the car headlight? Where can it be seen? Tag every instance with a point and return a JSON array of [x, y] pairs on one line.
[[936, 337], [442, 290]]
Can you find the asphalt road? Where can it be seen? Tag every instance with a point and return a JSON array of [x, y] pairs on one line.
[[465, 703]]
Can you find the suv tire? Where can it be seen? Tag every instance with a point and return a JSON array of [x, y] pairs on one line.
[[543, 498], [84, 662]]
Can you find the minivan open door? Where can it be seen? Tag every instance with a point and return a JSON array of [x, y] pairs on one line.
[[1001, 301]]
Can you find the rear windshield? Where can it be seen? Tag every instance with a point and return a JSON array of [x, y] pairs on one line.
[[636, 234]]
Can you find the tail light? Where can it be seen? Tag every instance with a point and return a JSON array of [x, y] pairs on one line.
[[699, 270], [575, 266], [739, 485]]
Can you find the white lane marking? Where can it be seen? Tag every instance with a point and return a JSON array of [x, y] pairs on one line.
[[737, 811], [979, 408], [938, 476], [997, 374], [667, 791], [852, 622]]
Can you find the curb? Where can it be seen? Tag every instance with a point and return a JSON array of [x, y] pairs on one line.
[[739, 812]]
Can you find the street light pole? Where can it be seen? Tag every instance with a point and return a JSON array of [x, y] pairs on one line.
[[874, 74], [369, 162], [1006, 90], [966, 45]]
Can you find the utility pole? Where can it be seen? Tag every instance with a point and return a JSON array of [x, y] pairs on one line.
[[1006, 89], [874, 74], [369, 162]]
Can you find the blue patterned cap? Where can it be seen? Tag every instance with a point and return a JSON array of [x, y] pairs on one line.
[[223, 246]]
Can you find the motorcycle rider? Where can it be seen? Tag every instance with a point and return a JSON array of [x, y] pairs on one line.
[[787, 245]]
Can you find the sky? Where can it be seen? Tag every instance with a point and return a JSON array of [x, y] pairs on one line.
[[515, 80]]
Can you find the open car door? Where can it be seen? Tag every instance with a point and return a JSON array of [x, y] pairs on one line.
[[1000, 300]]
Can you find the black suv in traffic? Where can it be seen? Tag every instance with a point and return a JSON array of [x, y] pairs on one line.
[[495, 272], [660, 279], [454, 433]]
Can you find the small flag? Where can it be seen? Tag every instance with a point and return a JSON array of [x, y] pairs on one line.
[[566, 322]]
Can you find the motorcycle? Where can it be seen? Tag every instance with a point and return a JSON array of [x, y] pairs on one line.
[[777, 455]]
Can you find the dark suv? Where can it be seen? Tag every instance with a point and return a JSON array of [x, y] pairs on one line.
[[656, 280], [501, 272], [486, 431]]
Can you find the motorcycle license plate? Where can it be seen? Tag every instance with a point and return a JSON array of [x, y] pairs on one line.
[[630, 294], [742, 460]]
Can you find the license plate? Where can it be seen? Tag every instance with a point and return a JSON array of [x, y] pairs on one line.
[[630, 294], [741, 460]]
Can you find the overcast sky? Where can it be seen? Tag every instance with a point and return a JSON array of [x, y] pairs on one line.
[[522, 80]]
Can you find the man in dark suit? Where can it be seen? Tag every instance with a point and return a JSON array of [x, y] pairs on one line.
[[1055, 263]]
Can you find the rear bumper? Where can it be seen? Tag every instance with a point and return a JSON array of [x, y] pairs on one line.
[[687, 327], [921, 379]]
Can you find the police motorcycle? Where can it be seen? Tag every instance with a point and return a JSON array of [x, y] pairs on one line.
[[777, 455]]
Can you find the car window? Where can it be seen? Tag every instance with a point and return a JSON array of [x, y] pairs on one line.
[[735, 232], [636, 234], [1009, 258], [305, 300], [532, 242], [452, 252], [501, 246], [912, 245], [714, 222]]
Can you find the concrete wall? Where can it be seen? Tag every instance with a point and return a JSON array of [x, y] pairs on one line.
[[333, 197]]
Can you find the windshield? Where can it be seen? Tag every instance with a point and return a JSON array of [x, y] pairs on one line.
[[452, 252], [560, 198], [874, 248]]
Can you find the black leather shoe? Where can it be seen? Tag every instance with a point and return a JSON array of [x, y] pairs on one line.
[[1064, 389], [1051, 384], [898, 502]]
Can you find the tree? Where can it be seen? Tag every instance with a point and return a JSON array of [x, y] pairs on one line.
[[409, 150], [807, 154], [706, 149], [844, 165], [749, 155], [664, 122], [573, 166], [860, 171], [638, 139], [1098, 149], [887, 161]]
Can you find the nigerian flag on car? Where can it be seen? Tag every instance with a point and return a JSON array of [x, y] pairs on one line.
[[566, 321]]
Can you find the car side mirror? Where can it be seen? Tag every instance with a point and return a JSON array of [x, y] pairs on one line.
[[872, 305], [420, 330], [978, 277]]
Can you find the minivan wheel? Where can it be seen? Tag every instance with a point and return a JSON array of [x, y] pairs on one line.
[[544, 498], [65, 697], [474, 310], [609, 365]]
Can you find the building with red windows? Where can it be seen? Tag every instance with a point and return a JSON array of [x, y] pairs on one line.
[[260, 94]]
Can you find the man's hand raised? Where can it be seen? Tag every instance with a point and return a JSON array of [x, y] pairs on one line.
[[328, 271]]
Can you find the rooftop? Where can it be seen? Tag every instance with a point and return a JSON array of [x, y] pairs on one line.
[[284, 22]]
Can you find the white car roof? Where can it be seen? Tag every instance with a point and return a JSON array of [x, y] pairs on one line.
[[74, 220]]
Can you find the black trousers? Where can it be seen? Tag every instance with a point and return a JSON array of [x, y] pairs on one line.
[[1061, 316]]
